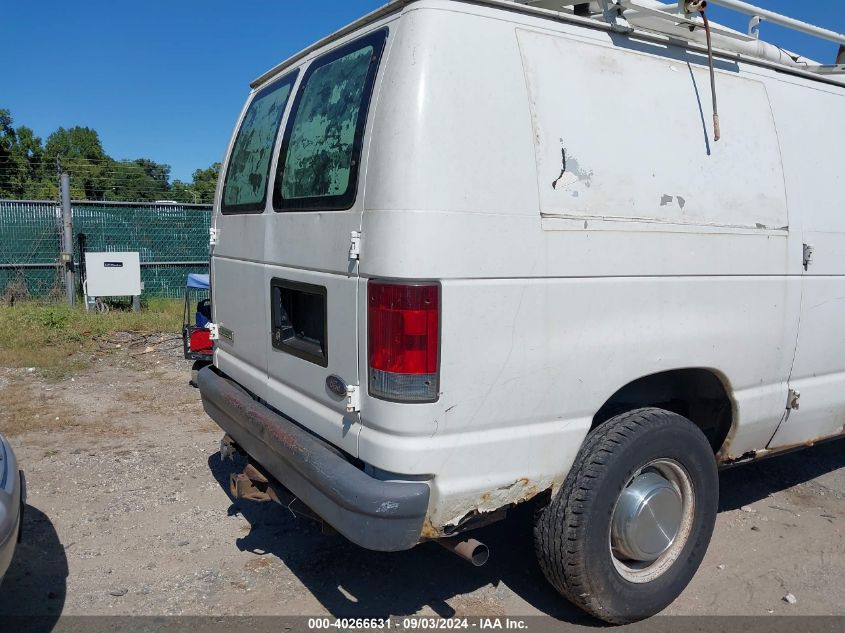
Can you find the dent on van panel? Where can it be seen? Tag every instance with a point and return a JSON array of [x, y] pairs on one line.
[[646, 154], [571, 172]]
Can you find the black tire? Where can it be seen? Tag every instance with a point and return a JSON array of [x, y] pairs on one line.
[[572, 533]]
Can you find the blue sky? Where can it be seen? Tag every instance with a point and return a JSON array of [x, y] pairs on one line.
[[165, 80]]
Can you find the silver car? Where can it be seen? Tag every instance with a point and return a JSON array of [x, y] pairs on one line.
[[12, 499]]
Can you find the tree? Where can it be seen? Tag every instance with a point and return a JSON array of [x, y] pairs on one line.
[[155, 171], [200, 190], [37, 180], [205, 183], [181, 191], [8, 165], [142, 179], [81, 154], [28, 169], [22, 169]]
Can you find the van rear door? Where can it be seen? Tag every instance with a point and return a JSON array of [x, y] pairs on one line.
[[310, 276], [237, 271]]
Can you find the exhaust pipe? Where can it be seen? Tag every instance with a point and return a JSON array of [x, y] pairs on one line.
[[469, 549]]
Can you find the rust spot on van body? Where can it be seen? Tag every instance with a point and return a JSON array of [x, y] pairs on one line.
[[755, 455], [265, 422], [428, 530], [491, 506]]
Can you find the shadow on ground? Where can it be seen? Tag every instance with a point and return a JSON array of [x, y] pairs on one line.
[[34, 589], [353, 582], [381, 584], [743, 485]]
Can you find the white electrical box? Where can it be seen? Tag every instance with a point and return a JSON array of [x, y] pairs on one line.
[[112, 274]]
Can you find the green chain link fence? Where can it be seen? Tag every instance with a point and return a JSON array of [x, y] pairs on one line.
[[172, 240]]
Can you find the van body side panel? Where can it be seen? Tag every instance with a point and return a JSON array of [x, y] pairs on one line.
[[811, 126], [547, 311], [554, 350], [650, 154], [562, 186], [451, 94]]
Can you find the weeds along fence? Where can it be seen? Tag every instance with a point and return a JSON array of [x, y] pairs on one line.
[[172, 240]]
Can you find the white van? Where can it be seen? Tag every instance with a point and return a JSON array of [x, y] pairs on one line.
[[468, 255]]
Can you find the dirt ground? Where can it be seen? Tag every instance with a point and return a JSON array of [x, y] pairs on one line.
[[129, 513]]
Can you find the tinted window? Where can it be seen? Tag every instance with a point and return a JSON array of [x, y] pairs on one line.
[[245, 188], [319, 159]]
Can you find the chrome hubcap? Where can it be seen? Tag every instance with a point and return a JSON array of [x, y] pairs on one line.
[[651, 520], [647, 518]]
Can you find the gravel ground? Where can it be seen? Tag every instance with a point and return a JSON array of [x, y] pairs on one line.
[[129, 514]]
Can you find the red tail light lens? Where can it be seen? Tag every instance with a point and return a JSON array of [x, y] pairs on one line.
[[200, 341], [404, 340]]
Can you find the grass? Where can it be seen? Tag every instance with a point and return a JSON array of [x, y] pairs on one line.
[[23, 409], [59, 339], [26, 407]]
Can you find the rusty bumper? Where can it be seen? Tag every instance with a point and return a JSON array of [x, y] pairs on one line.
[[375, 514]]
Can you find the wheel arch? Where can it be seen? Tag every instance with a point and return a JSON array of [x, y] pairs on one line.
[[702, 395]]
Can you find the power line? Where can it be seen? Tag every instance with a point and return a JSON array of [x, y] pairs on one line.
[[89, 163], [71, 160]]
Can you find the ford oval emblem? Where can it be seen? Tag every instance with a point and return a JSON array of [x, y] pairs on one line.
[[336, 385]]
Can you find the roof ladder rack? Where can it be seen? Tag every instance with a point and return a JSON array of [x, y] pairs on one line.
[[758, 15], [680, 20]]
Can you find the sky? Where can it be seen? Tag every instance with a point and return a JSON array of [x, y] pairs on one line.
[[166, 80]]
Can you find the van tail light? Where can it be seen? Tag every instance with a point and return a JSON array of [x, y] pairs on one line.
[[403, 340], [199, 341]]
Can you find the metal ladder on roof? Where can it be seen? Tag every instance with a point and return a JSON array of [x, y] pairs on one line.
[[682, 20]]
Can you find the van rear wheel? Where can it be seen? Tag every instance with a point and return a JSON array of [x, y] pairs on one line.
[[629, 527]]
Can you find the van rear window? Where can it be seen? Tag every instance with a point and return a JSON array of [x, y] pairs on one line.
[[245, 187], [318, 164]]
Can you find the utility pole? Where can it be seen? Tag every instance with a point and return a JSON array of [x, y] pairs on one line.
[[67, 239]]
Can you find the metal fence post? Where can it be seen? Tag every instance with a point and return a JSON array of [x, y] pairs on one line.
[[67, 239]]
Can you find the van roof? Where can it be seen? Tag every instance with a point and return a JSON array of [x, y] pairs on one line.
[[390, 7], [758, 52]]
